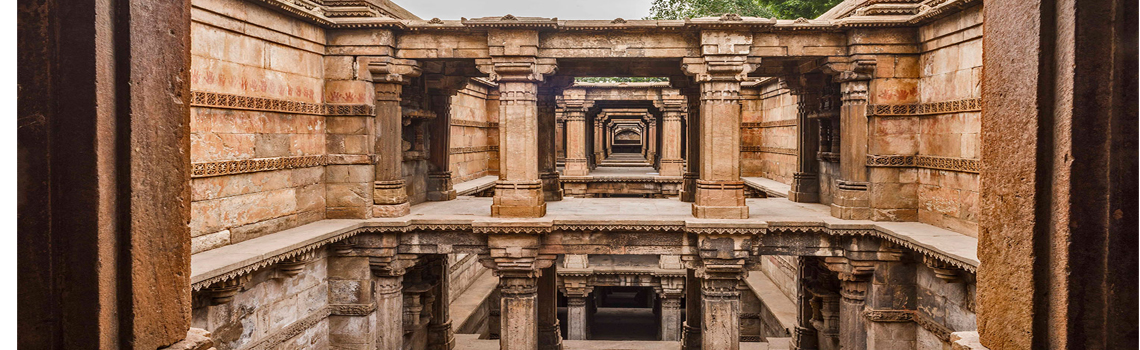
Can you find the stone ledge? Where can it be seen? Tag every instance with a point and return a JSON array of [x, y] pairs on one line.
[[772, 187]]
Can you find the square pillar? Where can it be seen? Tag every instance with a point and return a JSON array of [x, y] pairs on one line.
[[518, 317], [599, 142], [389, 296], [389, 197], [671, 163], [575, 115], [692, 151], [547, 149], [669, 294], [518, 193], [720, 192], [549, 331], [691, 329], [720, 308], [441, 336], [352, 320], [578, 303], [442, 88]]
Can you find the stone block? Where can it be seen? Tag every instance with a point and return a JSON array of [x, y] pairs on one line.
[[272, 145], [339, 67], [347, 125], [349, 173], [348, 194], [311, 198], [209, 241]]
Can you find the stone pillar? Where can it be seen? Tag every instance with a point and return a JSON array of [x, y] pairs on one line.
[[691, 329], [442, 88], [805, 181], [670, 292], [514, 259], [549, 331], [388, 287], [671, 116], [389, 197], [851, 197], [854, 277], [720, 192], [551, 186], [352, 316], [650, 141], [575, 114], [599, 142], [577, 291], [692, 150], [720, 309], [518, 193], [440, 334]]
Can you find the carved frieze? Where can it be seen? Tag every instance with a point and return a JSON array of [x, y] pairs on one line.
[[228, 101], [768, 124], [230, 167], [761, 149], [922, 109], [923, 161], [473, 149]]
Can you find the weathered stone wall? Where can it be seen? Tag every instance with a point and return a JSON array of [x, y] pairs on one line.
[[768, 132], [950, 69], [474, 134], [782, 270], [464, 269], [241, 49], [942, 304], [271, 313]]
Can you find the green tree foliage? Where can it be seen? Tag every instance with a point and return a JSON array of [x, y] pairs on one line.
[[785, 9]]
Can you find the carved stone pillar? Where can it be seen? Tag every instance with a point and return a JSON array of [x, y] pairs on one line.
[[352, 318], [574, 110], [515, 260], [691, 329], [672, 113], [650, 141], [854, 278], [692, 149], [388, 287], [852, 198], [805, 181], [577, 290], [518, 193], [720, 308], [389, 197], [549, 331], [440, 334], [599, 142], [442, 88], [720, 192], [551, 186], [670, 293]]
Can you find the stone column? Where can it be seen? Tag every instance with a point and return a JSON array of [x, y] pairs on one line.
[[692, 150], [577, 290], [670, 292], [388, 288], [575, 114], [650, 141], [551, 186], [805, 181], [851, 198], [691, 329], [549, 331], [352, 316], [599, 141], [518, 193], [389, 197], [672, 113], [720, 192], [854, 277], [720, 308], [440, 334], [439, 139], [559, 137], [515, 259]]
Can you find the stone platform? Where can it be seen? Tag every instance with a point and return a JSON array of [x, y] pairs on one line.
[[621, 180]]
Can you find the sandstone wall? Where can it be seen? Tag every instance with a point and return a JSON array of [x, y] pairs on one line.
[[951, 69], [241, 49], [950, 305], [474, 134], [464, 269], [782, 270], [271, 313], [768, 132]]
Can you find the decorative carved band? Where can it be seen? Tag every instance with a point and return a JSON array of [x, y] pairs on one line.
[[760, 149], [932, 108], [474, 123], [874, 315], [473, 149], [230, 167], [929, 162], [768, 124], [274, 341], [351, 309], [228, 101], [929, 324]]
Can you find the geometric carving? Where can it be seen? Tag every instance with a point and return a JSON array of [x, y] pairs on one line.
[[922, 161], [768, 124], [228, 101], [228, 167], [932, 108], [776, 150], [474, 123], [473, 149]]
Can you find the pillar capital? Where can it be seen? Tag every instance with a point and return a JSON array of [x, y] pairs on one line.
[[390, 70], [517, 68]]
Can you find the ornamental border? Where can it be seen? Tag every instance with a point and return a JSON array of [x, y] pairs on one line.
[[474, 123], [768, 124], [963, 165], [921, 109], [761, 149], [230, 101], [242, 166], [473, 149]]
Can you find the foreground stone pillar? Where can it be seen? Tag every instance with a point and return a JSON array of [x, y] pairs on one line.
[[720, 192], [805, 181], [388, 287], [854, 278], [578, 298], [390, 198], [515, 259], [670, 292], [720, 308], [549, 331], [518, 193], [852, 200], [575, 114]]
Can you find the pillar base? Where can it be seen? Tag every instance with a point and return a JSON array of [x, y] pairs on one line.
[[805, 188], [550, 338], [711, 212], [672, 167], [441, 336], [391, 210], [518, 199], [720, 200], [576, 167], [551, 187], [851, 201], [440, 187], [689, 187], [690, 337]]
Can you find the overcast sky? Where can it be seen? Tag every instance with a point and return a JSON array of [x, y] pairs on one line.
[[563, 9]]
